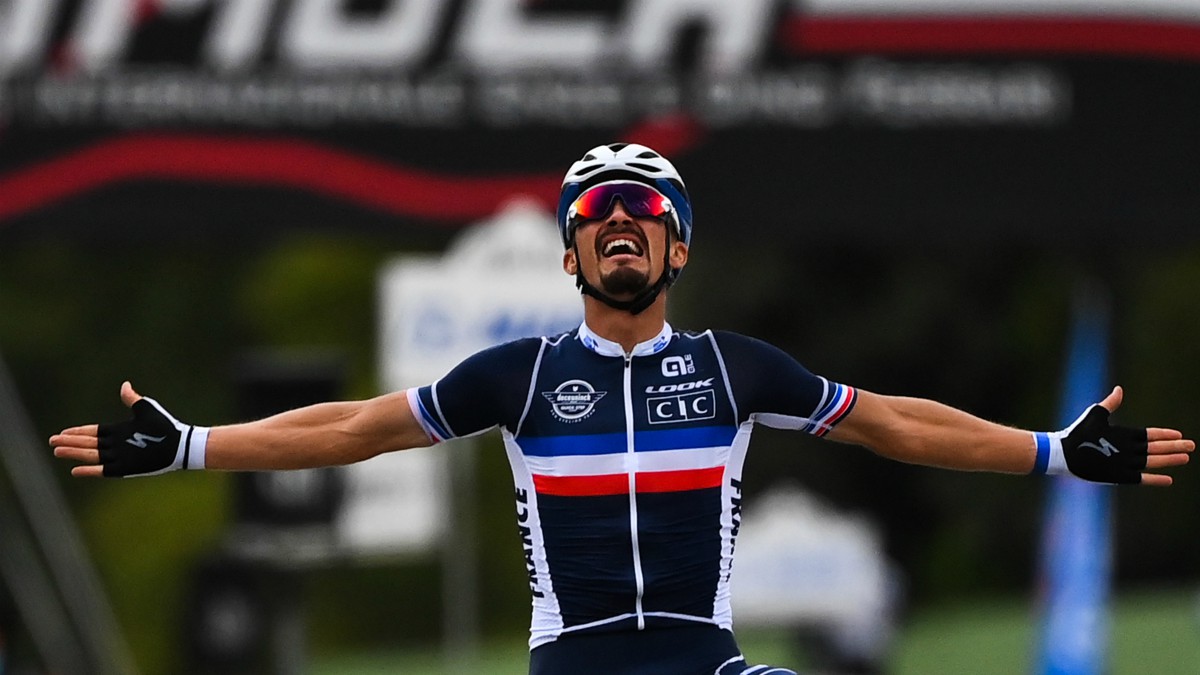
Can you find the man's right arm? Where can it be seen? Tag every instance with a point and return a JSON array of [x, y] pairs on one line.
[[487, 389], [325, 434]]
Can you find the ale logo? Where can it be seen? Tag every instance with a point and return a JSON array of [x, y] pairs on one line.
[[573, 400]]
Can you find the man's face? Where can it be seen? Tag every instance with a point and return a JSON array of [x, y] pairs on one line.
[[621, 254]]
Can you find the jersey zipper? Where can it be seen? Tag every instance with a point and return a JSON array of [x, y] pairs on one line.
[[631, 466]]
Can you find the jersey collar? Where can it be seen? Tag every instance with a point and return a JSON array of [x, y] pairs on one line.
[[606, 347]]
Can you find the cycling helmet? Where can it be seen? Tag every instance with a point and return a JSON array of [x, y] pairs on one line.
[[625, 161]]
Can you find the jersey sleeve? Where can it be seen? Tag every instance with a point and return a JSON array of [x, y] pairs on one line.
[[486, 390], [772, 388]]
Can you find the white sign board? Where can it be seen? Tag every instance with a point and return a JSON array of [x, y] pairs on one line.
[[500, 280], [802, 563], [800, 560]]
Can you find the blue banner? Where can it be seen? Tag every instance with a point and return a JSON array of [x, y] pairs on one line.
[[1076, 563]]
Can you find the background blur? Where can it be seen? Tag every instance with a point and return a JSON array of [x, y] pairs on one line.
[[906, 196]]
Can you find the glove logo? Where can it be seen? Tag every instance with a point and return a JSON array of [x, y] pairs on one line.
[[139, 439], [1105, 448]]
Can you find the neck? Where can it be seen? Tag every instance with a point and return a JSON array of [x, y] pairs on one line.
[[622, 327]]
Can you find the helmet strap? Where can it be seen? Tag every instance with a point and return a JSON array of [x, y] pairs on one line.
[[639, 302]]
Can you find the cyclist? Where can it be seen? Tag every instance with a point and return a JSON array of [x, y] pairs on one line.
[[626, 438]]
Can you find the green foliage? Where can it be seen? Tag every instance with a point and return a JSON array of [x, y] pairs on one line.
[[366, 606], [1152, 631], [146, 536], [315, 293], [1157, 324]]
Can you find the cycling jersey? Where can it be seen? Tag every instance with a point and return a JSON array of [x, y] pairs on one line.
[[628, 467]]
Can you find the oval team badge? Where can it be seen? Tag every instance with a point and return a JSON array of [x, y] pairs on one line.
[[573, 400]]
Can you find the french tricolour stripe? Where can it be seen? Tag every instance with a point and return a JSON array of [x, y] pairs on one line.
[[665, 461], [618, 483], [596, 465], [643, 441], [432, 426], [838, 401]]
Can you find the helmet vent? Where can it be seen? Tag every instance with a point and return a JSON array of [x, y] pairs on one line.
[[617, 147], [588, 158], [648, 155], [644, 167], [583, 171]]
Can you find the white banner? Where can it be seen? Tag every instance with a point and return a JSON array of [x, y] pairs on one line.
[[500, 280]]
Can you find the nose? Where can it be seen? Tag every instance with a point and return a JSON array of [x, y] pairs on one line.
[[618, 215]]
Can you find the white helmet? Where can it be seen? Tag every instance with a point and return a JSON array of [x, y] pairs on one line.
[[625, 161]]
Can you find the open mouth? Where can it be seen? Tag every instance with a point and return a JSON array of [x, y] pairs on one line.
[[622, 245]]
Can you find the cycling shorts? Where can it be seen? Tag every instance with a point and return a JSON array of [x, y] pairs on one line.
[[702, 649]]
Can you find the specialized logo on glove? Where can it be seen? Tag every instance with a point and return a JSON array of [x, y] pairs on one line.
[[1098, 451], [139, 439], [1105, 448], [152, 442]]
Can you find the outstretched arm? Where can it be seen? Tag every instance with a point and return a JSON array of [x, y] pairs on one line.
[[920, 431], [326, 434]]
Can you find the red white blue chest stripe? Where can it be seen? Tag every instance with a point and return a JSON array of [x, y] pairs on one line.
[[628, 467]]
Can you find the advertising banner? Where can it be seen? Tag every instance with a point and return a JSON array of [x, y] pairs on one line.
[[911, 119]]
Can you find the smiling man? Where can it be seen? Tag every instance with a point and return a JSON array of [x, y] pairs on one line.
[[626, 438]]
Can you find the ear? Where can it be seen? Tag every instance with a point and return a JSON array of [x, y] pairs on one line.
[[679, 255], [570, 263]]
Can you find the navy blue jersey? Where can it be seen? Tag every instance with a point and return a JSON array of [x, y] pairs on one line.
[[628, 466]]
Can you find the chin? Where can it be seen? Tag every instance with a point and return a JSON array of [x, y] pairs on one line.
[[625, 281]]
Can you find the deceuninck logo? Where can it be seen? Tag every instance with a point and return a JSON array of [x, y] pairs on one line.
[[573, 400]]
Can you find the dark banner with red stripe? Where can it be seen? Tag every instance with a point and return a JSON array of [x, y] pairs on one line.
[[832, 119]]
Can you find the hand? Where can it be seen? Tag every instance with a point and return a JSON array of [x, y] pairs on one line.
[[153, 442], [1098, 451]]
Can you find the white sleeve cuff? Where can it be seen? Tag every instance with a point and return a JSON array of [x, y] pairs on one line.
[[197, 447]]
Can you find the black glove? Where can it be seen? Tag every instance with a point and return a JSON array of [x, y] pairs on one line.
[[1094, 450], [153, 442]]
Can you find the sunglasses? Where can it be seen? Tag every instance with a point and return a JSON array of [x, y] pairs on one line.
[[640, 201]]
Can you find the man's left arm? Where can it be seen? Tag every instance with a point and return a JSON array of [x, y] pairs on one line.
[[919, 431]]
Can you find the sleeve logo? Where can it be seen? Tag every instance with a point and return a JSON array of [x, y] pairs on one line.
[[573, 400]]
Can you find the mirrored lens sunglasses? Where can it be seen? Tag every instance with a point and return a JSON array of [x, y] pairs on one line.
[[640, 201]]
